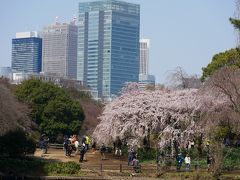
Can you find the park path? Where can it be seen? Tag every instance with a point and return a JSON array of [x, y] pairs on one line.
[[93, 158]]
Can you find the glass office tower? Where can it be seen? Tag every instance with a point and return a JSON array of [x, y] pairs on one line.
[[26, 53], [108, 45]]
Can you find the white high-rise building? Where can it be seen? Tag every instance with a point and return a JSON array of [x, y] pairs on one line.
[[144, 78], [144, 56], [59, 53]]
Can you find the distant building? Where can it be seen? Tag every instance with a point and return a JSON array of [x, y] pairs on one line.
[[108, 45], [145, 79], [60, 50], [18, 77], [26, 53], [144, 56], [6, 72], [60, 81]]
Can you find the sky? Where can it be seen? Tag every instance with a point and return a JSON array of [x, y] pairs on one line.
[[185, 33]]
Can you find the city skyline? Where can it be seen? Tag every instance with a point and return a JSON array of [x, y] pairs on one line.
[[185, 34]]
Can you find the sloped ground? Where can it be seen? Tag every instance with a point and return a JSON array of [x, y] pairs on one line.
[[13, 114], [92, 112]]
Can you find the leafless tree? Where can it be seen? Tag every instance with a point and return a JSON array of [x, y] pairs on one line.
[[226, 82], [179, 79]]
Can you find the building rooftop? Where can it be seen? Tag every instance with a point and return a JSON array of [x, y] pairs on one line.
[[115, 5]]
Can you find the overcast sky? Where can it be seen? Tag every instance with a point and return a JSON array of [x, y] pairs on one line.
[[184, 33]]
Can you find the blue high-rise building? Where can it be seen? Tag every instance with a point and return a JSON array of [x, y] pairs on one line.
[[26, 53], [108, 45]]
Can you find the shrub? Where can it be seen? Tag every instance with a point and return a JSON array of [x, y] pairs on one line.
[[16, 143], [62, 168], [149, 154], [20, 166]]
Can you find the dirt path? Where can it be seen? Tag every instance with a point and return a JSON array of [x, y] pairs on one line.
[[92, 158]]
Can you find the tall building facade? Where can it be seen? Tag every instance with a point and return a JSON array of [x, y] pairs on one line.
[[108, 45], [27, 53], [145, 79], [144, 56], [60, 50]]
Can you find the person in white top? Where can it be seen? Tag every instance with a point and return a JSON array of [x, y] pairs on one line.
[[76, 144], [187, 162]]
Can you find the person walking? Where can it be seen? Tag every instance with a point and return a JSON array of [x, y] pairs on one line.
[[43, 143], [187, 162], [65, 145], [118, 151], [87, 142], [82, 152], [102, 151], [130, 156]]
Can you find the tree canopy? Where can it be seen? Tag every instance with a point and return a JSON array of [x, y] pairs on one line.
[[52, 109], [228, 58], [235, 23]]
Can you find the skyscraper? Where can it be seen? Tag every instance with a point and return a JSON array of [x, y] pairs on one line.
[[144, 78], [26, 53], [60, 50], [108, 45], [144, 56]]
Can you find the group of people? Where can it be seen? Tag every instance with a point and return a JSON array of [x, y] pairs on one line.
[[181, 159], [187, 160], [70, 144]]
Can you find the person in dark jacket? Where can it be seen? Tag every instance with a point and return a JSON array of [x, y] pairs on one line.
[[82, 152], [180, 160], [103, 151], [65, 144]]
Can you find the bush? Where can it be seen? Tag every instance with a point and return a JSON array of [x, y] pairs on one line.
[[232, 158], [149, 154], [36, 167], [20, 166], [62, 168], [16, 143]]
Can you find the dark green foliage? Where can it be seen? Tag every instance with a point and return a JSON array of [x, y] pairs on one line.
[[235, 23], [16, 143], [52, 108], [149, 154], [62, 168], [228, 58], [73, 92], [35, 167], [22, 166], [232, 158]]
